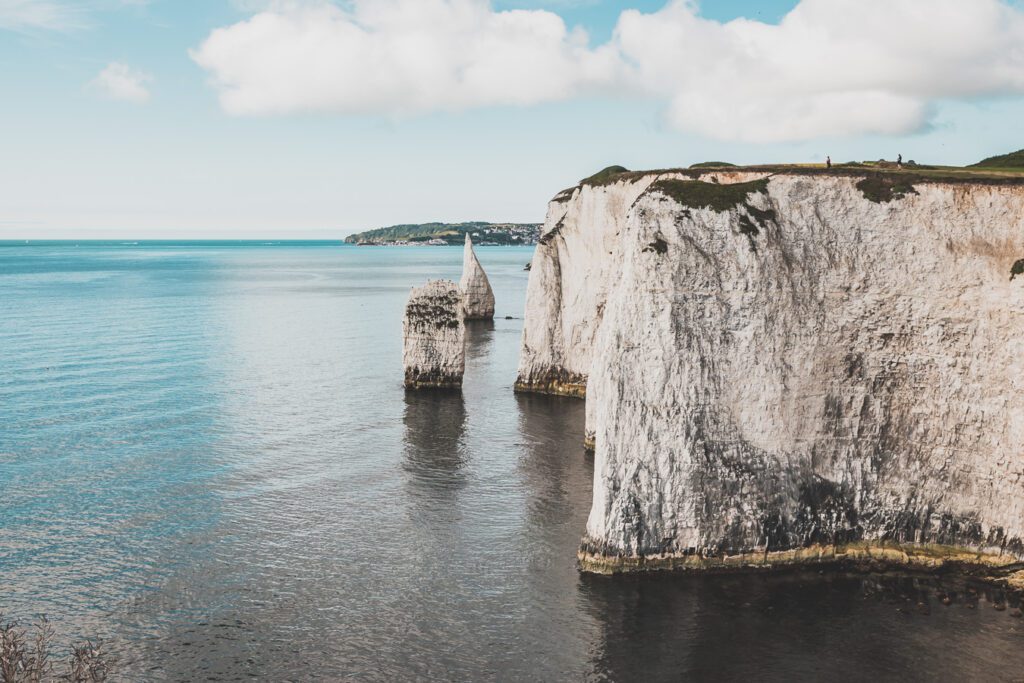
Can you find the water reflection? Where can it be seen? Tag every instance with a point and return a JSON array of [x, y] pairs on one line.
[[557, 472], [479, 336], [434, 443]]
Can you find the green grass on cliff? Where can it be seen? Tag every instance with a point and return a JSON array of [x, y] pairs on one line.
[[605, 176], [700, 195], [919, 172], [881, 181], [1013, 160], [881, 189]]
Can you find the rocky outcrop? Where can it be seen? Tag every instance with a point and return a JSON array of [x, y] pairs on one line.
[[478, 297], [792, 367], [434, 332]]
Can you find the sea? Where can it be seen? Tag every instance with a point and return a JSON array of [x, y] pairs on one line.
[[209, 463]]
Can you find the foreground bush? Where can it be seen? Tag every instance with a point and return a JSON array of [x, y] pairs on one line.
[[25, 657]]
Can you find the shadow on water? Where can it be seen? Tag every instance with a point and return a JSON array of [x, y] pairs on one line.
[[804, 625], [557, 473], [556, 469], [479, 336]]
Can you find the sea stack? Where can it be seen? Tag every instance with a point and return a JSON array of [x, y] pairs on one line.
[[434, 331], [478, 297], [784, 366]]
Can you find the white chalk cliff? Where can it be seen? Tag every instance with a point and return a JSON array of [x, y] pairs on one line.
[[787, 366], [569, 279], [478, 297], [434, 337]]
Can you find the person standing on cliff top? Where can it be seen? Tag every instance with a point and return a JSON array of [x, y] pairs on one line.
[[828, 162], [899, 161]]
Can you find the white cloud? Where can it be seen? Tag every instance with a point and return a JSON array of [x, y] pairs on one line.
[[397, 57], [121, 82], [831, 67]]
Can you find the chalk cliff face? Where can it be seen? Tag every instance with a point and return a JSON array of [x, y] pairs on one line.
[[569, 278], [434, 337], [794, 367], [478, 297]]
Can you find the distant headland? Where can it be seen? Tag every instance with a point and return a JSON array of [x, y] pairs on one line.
[[450, 234]]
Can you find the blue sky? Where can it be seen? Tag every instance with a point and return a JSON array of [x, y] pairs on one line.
[[151, 150]]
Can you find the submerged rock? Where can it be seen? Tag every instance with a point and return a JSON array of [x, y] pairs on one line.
[[478, 297], [434, 333], [786, 369]]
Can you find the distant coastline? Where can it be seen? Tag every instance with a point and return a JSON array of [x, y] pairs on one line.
[[449, 234]]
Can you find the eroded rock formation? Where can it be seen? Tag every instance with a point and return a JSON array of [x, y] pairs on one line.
[[478, 297], [434, 334], [790, 367]]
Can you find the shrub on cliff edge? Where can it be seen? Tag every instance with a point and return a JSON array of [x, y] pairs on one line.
[[604, 176]]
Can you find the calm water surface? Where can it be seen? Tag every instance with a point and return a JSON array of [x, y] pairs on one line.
[[207, 458]]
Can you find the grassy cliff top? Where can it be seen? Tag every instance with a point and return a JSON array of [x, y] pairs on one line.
[[908, 174], [1013, 161]]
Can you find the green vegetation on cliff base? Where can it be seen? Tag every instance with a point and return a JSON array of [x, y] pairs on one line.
[[450, 233], [1012, 160], [999, 569]]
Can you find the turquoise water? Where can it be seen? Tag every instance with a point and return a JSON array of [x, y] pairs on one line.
[[207, 458]]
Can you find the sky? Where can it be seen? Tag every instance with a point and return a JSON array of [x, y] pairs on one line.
[[319, 118]]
